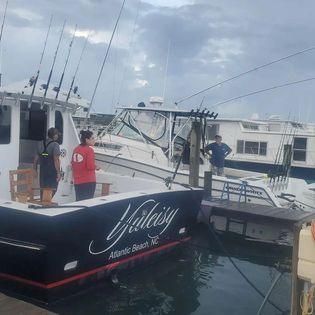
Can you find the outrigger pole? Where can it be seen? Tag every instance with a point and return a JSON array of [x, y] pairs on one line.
[[105, 58], [53, 65], [76, 70], [40, 64], [244, 73], [65, 66], [1, 32]]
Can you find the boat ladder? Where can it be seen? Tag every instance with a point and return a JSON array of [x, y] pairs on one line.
[[225, 195]]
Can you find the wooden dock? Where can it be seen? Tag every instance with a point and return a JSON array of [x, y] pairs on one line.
[[10, 305], [253, 222]]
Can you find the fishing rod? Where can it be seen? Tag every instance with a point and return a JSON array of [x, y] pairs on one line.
[[40, 64], [77, 68], [130, 51], [279, 167], [66, 63], [105, 58], [289, 158], [282, 140], [1, 32], [246, 72], [53, 64], [263, 90]]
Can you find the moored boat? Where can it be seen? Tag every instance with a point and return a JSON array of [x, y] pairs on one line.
[[44, 249]]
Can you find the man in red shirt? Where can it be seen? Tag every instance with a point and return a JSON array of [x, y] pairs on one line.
[[83, 167]]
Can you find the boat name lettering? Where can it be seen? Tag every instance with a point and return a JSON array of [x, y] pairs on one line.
[[150, 215]]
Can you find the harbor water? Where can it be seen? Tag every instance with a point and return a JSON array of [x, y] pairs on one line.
[[208, 276]]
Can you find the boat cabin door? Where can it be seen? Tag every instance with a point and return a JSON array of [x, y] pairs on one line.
[[33, 129], [9, 142]]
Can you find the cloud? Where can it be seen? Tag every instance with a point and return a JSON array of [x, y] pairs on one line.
[[210, 41], [168, 3], [26, 14], [141, 83]]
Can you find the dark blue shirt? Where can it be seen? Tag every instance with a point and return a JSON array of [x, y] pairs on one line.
[[219, 152]]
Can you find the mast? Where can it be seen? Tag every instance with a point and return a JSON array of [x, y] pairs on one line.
[[40, 63], [78, 65], [1, 32], [53, 65], [65, 66]]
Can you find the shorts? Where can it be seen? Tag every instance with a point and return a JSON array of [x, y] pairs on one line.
[[219, 171], [84, 191]]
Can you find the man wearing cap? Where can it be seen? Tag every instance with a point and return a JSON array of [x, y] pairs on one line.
[[219, 151], [48, 156]]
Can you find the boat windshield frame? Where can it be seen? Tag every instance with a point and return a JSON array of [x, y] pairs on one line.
[[170, 117]]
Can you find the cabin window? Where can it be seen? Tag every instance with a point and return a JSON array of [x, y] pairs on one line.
[[296, 125], [59, 125], [240, 146], [262, 148], [32, 123], [109, 146], [5, 124], [299, 149], [251, 126], [251, 147], [212, 131]]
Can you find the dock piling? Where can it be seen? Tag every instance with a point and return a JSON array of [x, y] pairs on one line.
[[207, 185], [194, 153]]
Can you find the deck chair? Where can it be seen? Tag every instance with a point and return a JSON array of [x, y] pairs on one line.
[[22, 190]]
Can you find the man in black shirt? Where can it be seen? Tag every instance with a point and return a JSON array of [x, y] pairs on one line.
[[48, 157]]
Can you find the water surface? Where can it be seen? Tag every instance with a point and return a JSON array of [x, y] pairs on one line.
[[201, 279]]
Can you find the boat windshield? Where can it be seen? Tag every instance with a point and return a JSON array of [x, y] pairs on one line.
[[152, 126]]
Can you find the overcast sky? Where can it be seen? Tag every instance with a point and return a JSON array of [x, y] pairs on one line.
[[203, 42]]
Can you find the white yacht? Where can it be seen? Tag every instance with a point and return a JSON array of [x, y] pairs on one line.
[[269, 146], [147, 141], [46, 246]]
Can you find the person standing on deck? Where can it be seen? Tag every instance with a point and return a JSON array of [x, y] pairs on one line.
[[83, 167], [219, 152], [48, 156]]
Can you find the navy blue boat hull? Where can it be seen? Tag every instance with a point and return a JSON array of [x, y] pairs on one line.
[[46, 252]]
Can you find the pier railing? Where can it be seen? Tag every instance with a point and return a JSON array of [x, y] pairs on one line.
[[241, 192]]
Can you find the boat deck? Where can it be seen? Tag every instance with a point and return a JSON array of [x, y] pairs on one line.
[[252, 222], [250, 211]]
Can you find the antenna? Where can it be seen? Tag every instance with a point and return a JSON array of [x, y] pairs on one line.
[[166, 68], [79, 62], [53, 64], [40, 64], [1, 32], [65, 66]]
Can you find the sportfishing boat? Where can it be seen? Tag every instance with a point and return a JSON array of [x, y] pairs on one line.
[[50, 245], [148, 142], [268, 146]]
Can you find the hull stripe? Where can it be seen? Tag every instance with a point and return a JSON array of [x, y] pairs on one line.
[[90, 272]]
